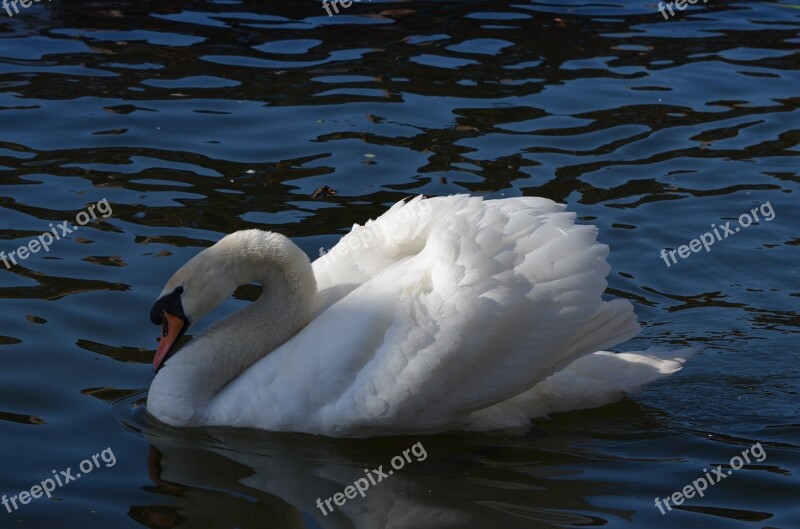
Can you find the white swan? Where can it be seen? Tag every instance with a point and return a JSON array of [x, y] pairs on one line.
[[450, 313]]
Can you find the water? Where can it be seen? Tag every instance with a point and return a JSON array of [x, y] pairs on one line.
[[195, 119]]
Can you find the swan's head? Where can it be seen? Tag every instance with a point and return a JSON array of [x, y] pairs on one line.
[[210, 276], [169, 313], [193, 291]]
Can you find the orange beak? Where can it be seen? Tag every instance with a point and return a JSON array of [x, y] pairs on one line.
[[172, 330]]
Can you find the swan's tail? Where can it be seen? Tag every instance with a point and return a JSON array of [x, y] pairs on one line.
[[589, 382]]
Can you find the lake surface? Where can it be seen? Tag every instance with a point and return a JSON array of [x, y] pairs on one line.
[[195, 119]]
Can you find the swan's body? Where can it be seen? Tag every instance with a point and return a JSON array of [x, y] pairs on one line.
[[443, 314]]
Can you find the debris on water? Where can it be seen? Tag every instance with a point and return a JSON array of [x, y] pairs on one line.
[[126, 109], [370, 155], [323, 192]]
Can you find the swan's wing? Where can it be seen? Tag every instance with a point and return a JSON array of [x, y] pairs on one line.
[[368, 250], [499, 295]]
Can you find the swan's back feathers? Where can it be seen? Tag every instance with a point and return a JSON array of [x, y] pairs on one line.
[[431, 315], [504, 289]]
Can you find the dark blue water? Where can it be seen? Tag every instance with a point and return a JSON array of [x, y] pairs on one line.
[[195, 119]]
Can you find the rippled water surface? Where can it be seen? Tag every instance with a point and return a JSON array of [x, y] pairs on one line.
[[195, 119]]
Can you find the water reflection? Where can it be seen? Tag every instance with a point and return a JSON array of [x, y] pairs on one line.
[[279, 478]]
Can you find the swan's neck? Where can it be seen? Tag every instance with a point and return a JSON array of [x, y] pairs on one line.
[[189, 381]]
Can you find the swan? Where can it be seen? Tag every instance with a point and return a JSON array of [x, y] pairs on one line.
[[445, 313]]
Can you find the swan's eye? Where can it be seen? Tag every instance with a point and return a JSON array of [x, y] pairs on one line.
[[179, 291], [164, 327]]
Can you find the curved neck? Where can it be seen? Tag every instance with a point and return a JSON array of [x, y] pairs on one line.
[[204, 366]]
